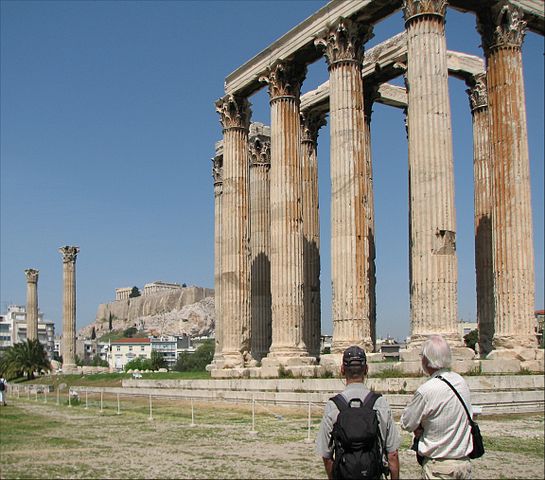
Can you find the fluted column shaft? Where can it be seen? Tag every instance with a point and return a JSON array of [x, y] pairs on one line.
[[217, 173], [349, 196], [433, 266], [482, 174], [503, 30], [235, 283], [310, 125], [287, 272], [260, 244], [69, 255], [32, 304]]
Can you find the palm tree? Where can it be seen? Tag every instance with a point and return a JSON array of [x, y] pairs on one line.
[[24, 358]]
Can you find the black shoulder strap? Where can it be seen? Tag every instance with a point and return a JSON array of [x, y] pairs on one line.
[[459, 397], [371, 398], [340, 402]]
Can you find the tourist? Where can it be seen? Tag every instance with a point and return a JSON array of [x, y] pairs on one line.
[[3, 390], [437, 418], [354, 370]]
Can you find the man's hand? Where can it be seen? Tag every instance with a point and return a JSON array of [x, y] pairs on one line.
[[328, 464], [393, 463]]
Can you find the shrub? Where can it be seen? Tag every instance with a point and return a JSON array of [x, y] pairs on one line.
[[197, 361], [139, 364]]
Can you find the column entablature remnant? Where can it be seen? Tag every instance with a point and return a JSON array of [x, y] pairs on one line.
[[259, 144], [311, 122], [478, 96]]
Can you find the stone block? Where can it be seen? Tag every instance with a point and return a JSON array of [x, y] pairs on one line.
[[525, 354], [463, 353], [465, 366], [501, 365], [410, 355], [375, 357], [540, 354], [302, 370], [533, 365], [298, 361], [502, 354], [332, 362], [411, 368], [270, 372], [374, 368]]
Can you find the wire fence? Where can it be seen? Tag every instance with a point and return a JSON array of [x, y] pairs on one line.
[[102, 401]]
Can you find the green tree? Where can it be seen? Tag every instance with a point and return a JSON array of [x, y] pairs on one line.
[[134, 292], [24, 359], [138, 364], [471, 339], [129, 332], [197, 361], [157, 360]]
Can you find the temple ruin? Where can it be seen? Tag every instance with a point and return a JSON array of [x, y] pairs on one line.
[[267, 245]]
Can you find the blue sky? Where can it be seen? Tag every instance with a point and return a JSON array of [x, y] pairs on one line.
[[108, 126]]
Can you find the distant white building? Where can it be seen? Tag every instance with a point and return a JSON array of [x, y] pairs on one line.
[[13, 329], [158, 287]]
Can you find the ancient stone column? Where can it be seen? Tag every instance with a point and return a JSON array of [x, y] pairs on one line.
[[502, 29], [343, 46], [32, 304], [311, 122], [287, 271], [235, 279], [69, 255], [370, 94], [217, 175], [482, 174], [432, 227], [260, 240]]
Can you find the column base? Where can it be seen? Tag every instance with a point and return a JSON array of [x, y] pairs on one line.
[[514, 341], [454, 339], [70, 369]]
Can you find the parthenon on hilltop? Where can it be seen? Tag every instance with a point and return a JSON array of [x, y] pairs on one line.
[[267, 245]]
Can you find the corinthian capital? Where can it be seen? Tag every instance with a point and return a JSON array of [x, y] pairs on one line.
[[412, 8], [260, 150], [478, 96], [69, 254], [284, 79], [501, 26], [31, 275], [311, 122], [344, 41], [217, 169], [234, 112]]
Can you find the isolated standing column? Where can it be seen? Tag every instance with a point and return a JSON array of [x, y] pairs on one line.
[[343, 46], [482, 174], [432, 227], [69, 255], [235, 276], [502, 29], [217, 174], [32, 304]]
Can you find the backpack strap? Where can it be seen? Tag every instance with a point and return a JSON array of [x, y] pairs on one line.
[[340, 402], [459, 398], [371, 398]]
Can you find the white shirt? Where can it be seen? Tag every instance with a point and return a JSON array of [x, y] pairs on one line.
[[447, 433]]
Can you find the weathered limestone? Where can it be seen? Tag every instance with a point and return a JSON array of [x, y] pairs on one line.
[[287, 273], [433, 268], [260, 240], [217, 175], [69, 254], [32, 304], [482, 175], [502, 29], [235, 279], [343, 45], [311, 122]]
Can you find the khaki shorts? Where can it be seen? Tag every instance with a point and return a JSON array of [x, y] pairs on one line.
[[446, 468]]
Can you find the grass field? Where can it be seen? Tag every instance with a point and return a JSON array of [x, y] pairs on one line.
[[45, 440]]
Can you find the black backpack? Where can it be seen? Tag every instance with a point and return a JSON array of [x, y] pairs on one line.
[[357, 444], [2, 386]]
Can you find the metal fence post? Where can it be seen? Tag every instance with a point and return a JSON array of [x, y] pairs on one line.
[[253, 430]]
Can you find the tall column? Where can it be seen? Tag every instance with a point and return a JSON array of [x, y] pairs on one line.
[[69, 255], [235, 282], [287, 271], [502, 29], [343, 46], [433, 266], [370, 95], [260, 240], [311, 122], [482, 174], [217, 175], [31, 304]]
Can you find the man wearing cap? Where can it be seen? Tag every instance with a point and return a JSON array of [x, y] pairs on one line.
[[354, 370]]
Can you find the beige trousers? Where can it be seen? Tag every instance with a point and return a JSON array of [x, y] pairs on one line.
[[459, 469]]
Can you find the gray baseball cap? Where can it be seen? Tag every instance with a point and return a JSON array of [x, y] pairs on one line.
[[354, 355]]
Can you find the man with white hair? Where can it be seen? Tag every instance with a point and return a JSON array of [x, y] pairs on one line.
[[437, 417]]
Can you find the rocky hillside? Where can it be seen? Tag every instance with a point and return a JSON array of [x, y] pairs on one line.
[[189, 311]]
